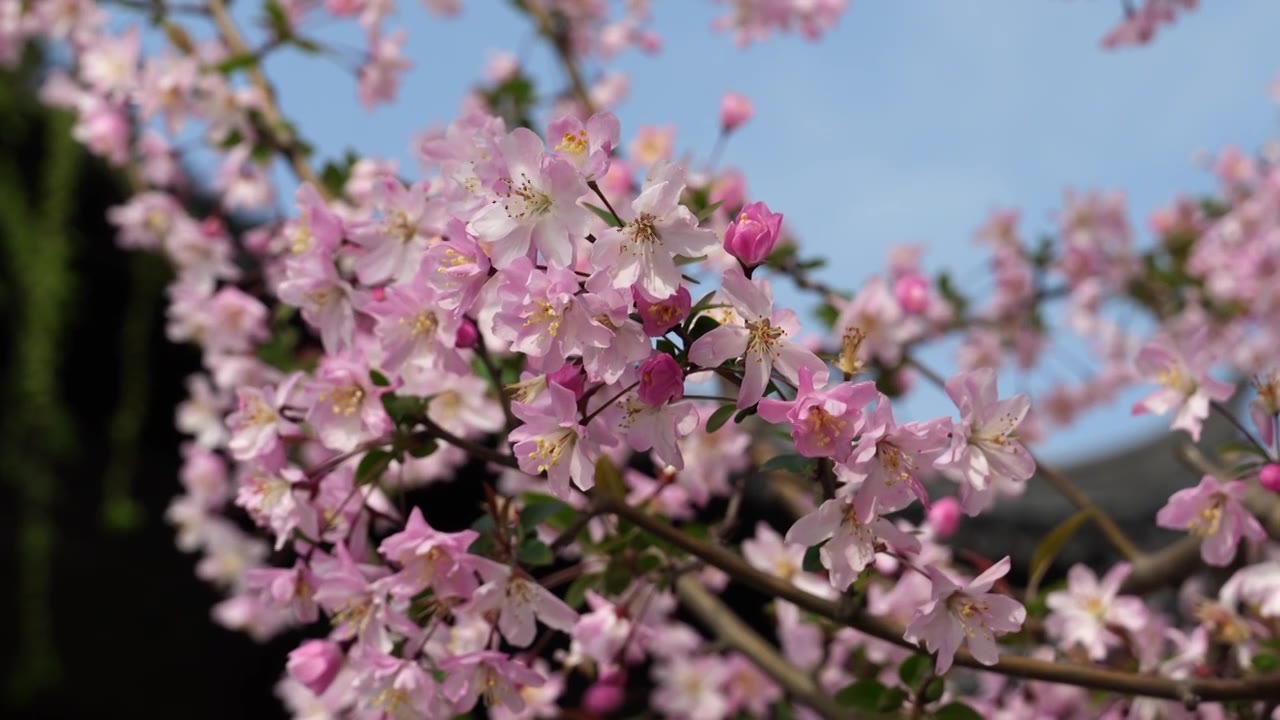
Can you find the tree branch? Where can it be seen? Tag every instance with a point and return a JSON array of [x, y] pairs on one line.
[[734, 633], [1253, 688]]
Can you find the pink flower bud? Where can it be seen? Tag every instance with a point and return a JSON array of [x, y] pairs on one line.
[[912, 293], [752, 236], [466, 336], [315, 663], [661, 380], [1269, 477], [659, 316], [730, 189], [944, 516], [735, 110], [607, 695], [378, 294], [570, 377]]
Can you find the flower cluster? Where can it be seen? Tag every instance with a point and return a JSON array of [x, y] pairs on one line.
[[583, 332]]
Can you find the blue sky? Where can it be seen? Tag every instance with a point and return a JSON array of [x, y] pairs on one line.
[[907, 123]]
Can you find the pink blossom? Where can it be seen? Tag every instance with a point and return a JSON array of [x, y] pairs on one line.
[[770, 552], [395, 685], [749, 690], [652, 145], [406, 217], [912, 293], [457, 268], [602, 633], [553, 441], [346, 408], [313, 285], [542, 314], [656, 230], [413, 329], [966, 615], [884, 465], [519, 602], [823, 422], [379, 76], [944, 517], [607, 694], [660, 315], [490, 674], [1187, 388], [1083, 614], [587, 147], [536, 205], [984, 447], [1269, 477], [761, 340], [875, 313], [753, 234], [853, 540], [691, 688], [1212, 512], [315, 663], [735, 110], [661, 380], [429, 558]]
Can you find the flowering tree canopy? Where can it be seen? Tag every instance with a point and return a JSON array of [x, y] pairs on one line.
[[586, 330]]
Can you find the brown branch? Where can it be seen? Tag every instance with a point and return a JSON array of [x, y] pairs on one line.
[[559, 38], [734, 633], [1252, 688], [281, 135]]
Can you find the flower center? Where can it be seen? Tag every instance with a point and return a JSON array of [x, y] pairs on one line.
[[824, 425], [642, 234], [547, 450], [763, 337], [545, 314], [573, 143], [848, 361], [525, 201], [346, 400], [424, 323], [1209, 520]]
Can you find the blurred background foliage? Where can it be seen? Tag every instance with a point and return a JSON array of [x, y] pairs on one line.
[[99, 611]]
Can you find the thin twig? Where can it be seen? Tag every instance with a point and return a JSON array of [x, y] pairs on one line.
[[1252, 688], [1230, 417], [559, 40], [734, 633], [281, 136]]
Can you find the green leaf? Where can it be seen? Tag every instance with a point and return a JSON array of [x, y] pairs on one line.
[[703, 325], [423, 448], [617, 577], [1049, 547], [236, 62], [827, 314], [649, 561], [608, 479], [956, 711], [745, 413], [720, 417], [812, 560], [1240, 447], [790, 462], [604, 215], [372, 466], [535, 552], [537, 509], [577, 592], [914, 670], [1265, 663], [862, 695], [378, 379], [278, 20], [933, 690], [709, 210], [891, 700]]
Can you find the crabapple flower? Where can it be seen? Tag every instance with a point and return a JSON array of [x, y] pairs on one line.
[[314, 286], [823, 422], [1187, 388], [1212, 512], [256, 425], [884, 463], [735, 110], [347, 406], [691, 687], [519, 602], [661, 380], [660, 315], [536, 205], [658, 427], [388, 242], [430, 558], [457, 268], [543, 316], [966, 615], [413, 329], [770, 552], [315, 663], [984, 447], [761, 340], [752, 235], [642, 252], [944, 517], [853, 541], [553, 441], [1083, 614], [488, 674], [587, 147]]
